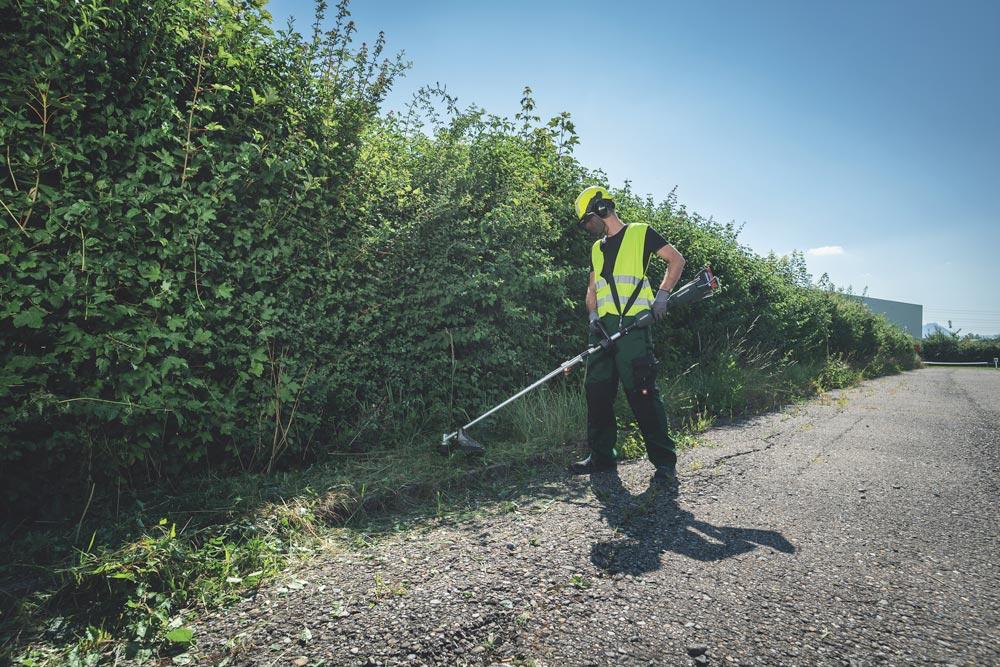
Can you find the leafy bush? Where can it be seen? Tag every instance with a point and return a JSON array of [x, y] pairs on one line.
[[944, 347], [837, 374], [173, 292]]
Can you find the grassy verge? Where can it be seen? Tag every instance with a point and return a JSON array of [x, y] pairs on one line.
[[126, 582]]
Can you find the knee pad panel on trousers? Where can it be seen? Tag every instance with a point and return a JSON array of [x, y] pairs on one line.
[[601, 402]]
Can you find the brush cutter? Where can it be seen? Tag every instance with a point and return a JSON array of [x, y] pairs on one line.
[[703, 286]]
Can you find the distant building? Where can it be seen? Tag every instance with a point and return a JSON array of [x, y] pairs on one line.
[[934, 328], [909, 316]]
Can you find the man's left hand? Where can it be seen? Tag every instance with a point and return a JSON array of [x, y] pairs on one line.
[[660, 303]]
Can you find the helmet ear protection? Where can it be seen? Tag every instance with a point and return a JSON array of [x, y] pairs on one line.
[[600, 206], [593, 201]]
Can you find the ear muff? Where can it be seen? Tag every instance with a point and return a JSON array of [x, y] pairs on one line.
[[600, 205]]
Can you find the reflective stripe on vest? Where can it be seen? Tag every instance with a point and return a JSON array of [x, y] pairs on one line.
[[610, 302], [629, 274]]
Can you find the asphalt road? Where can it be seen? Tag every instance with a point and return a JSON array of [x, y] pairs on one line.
[[860, 528]]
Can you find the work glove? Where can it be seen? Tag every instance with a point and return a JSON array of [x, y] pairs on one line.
[[595, 325], [661, 303]]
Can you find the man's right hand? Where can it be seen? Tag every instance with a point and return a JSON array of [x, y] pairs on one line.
[[661, 303]]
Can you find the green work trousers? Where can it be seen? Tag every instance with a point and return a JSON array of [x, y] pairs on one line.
[[631, 360]]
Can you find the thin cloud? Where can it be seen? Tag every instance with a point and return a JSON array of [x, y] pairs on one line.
[[826, 250]]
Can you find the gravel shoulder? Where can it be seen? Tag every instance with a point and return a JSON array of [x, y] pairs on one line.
[[859, 528]]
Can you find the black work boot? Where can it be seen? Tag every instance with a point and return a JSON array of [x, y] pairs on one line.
[[666, 476], [589, 465]]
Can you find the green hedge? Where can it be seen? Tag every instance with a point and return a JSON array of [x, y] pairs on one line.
[[220, 252], [944, 347], [169, 266]]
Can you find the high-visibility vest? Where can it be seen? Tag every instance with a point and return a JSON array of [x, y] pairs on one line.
[[629, 274]]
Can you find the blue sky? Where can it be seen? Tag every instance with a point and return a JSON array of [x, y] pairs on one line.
[[864, 132]]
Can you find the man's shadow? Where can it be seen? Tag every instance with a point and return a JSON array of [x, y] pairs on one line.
[[652, 523]]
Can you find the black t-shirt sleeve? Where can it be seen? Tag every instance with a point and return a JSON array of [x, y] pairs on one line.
[[653, 243]]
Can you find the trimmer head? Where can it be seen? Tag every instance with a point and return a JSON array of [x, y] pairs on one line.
[[462, 442]]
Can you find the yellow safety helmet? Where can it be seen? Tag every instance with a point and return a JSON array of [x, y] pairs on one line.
[[593, 201]]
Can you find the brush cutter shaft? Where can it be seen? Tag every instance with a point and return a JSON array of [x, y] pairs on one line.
[[568, 364], [642, 320]]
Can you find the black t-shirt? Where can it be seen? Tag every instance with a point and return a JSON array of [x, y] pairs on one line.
[[612, 243]]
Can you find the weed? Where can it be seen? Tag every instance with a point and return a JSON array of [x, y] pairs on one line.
[[507, 507], [338, 610], [631, 445], [685, 440], [384, 590], [361, 541], [837, 373]]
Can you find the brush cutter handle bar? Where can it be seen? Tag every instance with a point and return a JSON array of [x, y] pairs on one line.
[[641, 321], [702, 287]]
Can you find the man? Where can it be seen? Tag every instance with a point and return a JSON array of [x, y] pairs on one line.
[[617, 294]]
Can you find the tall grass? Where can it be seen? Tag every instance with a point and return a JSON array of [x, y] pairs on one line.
[[550, 417], [736, 377]]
